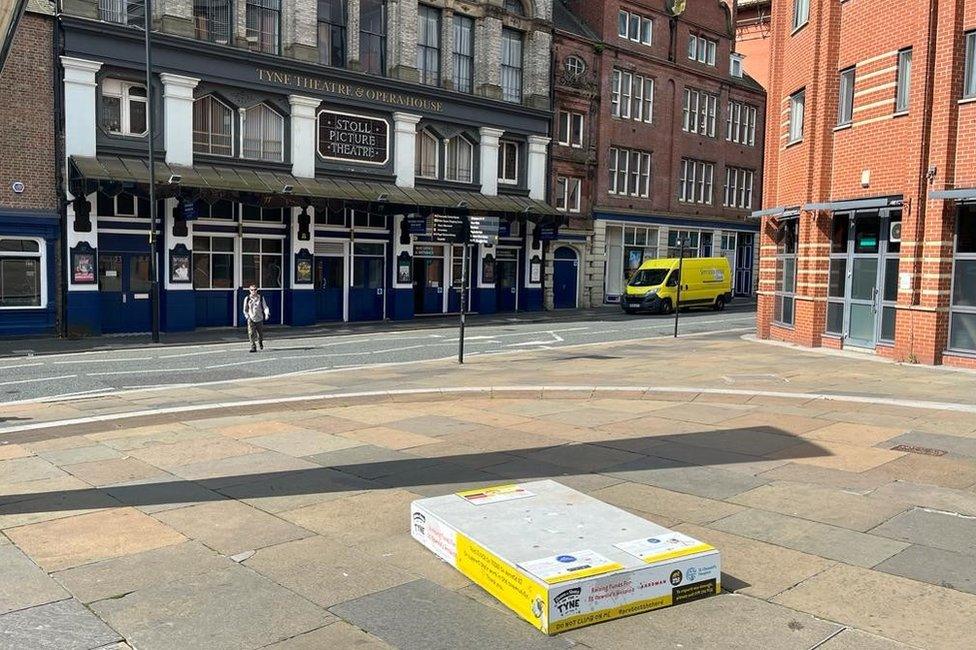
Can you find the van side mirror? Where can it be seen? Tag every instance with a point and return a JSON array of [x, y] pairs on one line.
[[673, 280]]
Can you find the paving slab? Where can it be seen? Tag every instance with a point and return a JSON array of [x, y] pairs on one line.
[[713, 457], [335, 635], [837, 478], [370, 461], [123, 575], [786, 423], [750, 442], [62, 625], [942, 471], [22, 470], [657, 501], [114, 470], [388, 437], [438, 480], [755, 568], [231, 608], [421, 614], [702, 413], [79, 454], [890, 606], [853, 433], [302, 442], [72, 541], [928, 496], [708, 482], [840, 455], [161, 493], [955, 446], [195, 450], [811, 537], [325, 571], [852, 639], [68, 499], [433, 425], [236, 470], [819, 503], [725, 621], [231, 527], [10, 450], [294, 490], [23, 584], [933, 528], [404, 552], [358, 518], [935, 566], [581, 457]]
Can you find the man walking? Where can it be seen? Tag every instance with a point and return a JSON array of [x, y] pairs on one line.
[[255, 313]]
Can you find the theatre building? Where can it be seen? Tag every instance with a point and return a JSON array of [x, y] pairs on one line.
[[301, 146], [869, 217], [657, 141]]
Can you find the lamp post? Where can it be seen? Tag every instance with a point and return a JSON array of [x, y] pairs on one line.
[[150, 125], [677, 300]]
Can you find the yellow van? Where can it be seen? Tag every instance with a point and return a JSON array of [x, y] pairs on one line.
[[705, 282]]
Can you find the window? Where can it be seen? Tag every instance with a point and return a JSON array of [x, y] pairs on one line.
[[568, 194], [124, 107], [845, 99], [969, 78], [213, 130], [219, 209], [213, 263], [332, 33], [738, 188], [741, 124], [508, 162], [785, 286], [571, 129], [426, 155], [257, 213], [574, 66], [702, 49], [364, 219], [797, 101], [261, 262], [634, 27], [372, 36], [735, 65], [801, 13], [369, 262], [695, 185], [688, 238], [630, 172], [903, 80], [962, 320], [511, 65], [515, 7], [22, 273], [699, 112], [212, 20], [122, 12], [459, 160], [263, 19], [429, 45], [463, 53], [123, 204], [264, 132], [632, 96]]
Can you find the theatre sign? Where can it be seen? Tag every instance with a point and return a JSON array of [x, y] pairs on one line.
[[353, 138]]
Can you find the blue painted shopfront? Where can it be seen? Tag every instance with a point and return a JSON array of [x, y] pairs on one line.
[[28, 278], [565, 277]]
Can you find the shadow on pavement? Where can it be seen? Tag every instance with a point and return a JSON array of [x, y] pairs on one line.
[[665, 455]]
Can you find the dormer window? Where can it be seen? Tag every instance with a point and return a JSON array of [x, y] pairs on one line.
[[124, 107], [264, 134], [459, 160], [425, 163], [213, 130]]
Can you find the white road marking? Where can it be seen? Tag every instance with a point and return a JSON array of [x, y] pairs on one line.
[[28, 381], [22, 365], [236, 363], [116, 360], [147, 371]]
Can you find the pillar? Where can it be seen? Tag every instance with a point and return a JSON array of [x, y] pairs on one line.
[[303, 135], [536, 169], [531, 296], [488, 150], [404, 148], [178, 118], [177, 300]]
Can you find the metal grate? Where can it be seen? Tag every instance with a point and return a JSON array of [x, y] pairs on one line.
[[212, 20]]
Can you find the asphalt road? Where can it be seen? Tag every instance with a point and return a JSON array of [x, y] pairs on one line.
[[38, 377]]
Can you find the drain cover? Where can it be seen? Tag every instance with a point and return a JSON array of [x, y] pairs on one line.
[[915, 449]]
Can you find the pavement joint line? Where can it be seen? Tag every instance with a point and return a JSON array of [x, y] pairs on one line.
[[854, 399]]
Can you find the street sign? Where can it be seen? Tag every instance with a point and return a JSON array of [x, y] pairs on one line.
[[447, 228], [484, 230], [548, 231], [416, 224], [188, 209]]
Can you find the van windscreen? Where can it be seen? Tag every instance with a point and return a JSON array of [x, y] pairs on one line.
[[648, 277]]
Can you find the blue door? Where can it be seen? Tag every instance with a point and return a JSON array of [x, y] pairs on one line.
[[123, 286], [428, 285], [506, 280], [330, 281], [565, 276], [368, 288]]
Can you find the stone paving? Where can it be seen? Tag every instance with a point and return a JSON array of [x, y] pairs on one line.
[[285, 525]]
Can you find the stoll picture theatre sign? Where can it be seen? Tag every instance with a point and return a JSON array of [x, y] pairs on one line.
[[353, 138]]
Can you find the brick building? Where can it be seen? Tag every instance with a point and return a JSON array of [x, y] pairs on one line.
[[869, 227], [752, 37], [657, 137], [29, 224]]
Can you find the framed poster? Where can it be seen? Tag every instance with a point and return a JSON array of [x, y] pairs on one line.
[[83, 264], [535, 270], [303, 267], [179, 265], [404, 268], [488, 269]]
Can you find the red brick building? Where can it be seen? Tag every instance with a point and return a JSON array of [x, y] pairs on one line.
[[869, 226], [29, 224], [752, 37], [657, 137]]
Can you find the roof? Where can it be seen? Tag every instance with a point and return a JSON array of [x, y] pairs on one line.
[[212, 178], [565, 19], [45, 7]]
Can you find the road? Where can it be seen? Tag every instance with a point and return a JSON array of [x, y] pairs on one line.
[[40, 377]]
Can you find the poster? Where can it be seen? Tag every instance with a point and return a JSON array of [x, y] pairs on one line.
[[404, 275], [179, 265], [488, 270], [83, 267], [303, 272]]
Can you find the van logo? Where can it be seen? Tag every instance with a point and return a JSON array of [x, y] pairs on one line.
[[568, 601], [420, 523]]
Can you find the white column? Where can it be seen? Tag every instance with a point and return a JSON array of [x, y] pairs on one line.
[[399, 249], [79, 106], [489, 160], [171, 243], [178, 118], [303, 136], [404, 148], [530, 253], [536, 169]]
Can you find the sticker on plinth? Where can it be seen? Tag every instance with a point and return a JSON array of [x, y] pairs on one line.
[[665, 547], [495, 494], [569, 566]]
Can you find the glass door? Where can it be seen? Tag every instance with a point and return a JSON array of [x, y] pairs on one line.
[[865, 250]]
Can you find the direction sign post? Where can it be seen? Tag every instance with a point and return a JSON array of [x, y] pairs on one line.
[[464, 299]]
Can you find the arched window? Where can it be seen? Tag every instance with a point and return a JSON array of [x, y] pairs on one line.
[[574, 65], [459, 160], [213, 127], [426, 155], [264, 134], [515, 7]]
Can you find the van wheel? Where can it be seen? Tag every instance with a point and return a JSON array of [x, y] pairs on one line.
[[719, 303], [666, 306]]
